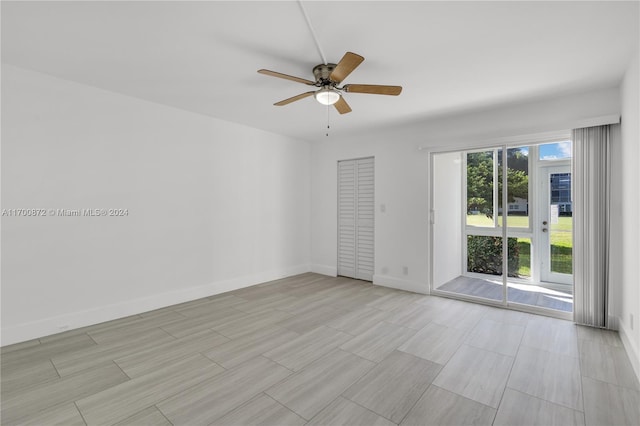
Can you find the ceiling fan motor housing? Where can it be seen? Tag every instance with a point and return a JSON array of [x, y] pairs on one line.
[[322, 73]]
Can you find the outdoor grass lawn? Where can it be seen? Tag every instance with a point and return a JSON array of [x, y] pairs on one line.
[[561, 241]]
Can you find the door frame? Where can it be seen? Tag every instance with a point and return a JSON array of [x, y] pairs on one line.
[[507, 142], [356, 270]]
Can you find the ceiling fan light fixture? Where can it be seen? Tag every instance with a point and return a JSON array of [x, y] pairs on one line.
[[327, 96]]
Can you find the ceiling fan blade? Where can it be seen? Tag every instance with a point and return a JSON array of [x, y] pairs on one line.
[[347, 64], [286, 77], [294, 98], [373, 89], [342, 106]]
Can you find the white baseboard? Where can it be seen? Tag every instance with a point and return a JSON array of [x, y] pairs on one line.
[[331, 271], [45, 327], [400, 284], [630, 347]]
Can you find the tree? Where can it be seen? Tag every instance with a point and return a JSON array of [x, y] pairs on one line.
[[480, 179], [480, 182]]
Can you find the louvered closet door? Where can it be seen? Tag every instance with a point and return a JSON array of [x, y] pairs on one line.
[[356, 218]]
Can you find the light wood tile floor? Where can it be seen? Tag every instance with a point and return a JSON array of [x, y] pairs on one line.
[[317, 350]]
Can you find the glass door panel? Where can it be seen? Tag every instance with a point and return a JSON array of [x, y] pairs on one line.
[[557, 226], [483, 236], [480, 172]]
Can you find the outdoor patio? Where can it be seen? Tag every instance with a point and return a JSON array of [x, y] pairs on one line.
[[526, 294]]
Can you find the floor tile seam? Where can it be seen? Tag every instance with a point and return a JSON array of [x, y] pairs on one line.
[[274, 400], [4, 349], [215, 364], [401, 326], [369, 329], [162, 414], [553, 402], [292, 373], [354, 381], [202, 354], [519, 341], [596, 342], [80, 412], [128, 417], [8, 363], [342, 395], [91, 337], [176, 311], [418, 399], [64, 377], [283, 366], [548, 351], [513, 357], [120, 368], [489, 350], [465, 397], [264, 354], [72, 333], [342, 331], [584, 402], [103, 362], [55, 368], [137, 320], [21, 391], [243, 337], [31, 414], [156, 403], [404, 351], [127, 340], [227, 293], [131, 336], [609, 383], [173, 361], [232, 308], [444, 364], [616, 369], [506, 383], [546, 400], [508, 323], [222, 334]]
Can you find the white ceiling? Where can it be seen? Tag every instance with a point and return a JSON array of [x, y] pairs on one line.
[[203, 56]]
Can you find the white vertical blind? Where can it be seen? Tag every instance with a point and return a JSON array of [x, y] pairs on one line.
[[356, 190], [591, 203]]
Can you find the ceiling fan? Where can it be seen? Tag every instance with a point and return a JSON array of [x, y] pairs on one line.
[[328, 78]]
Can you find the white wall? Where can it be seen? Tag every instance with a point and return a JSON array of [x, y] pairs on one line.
[[402, 178], [629, 293], [212, 205], [447, 209], [399, 230]]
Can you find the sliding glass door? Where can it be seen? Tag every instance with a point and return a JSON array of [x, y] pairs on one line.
[[504, 213]]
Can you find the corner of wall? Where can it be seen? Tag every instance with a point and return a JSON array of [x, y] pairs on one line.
[[630, 347], [328, 270], [400, 284]]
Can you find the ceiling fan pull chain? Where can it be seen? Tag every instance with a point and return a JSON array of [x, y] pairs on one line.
[[328, 127]]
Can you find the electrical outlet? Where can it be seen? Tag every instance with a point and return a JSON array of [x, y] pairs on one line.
[[384, 270], [405, 270]]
